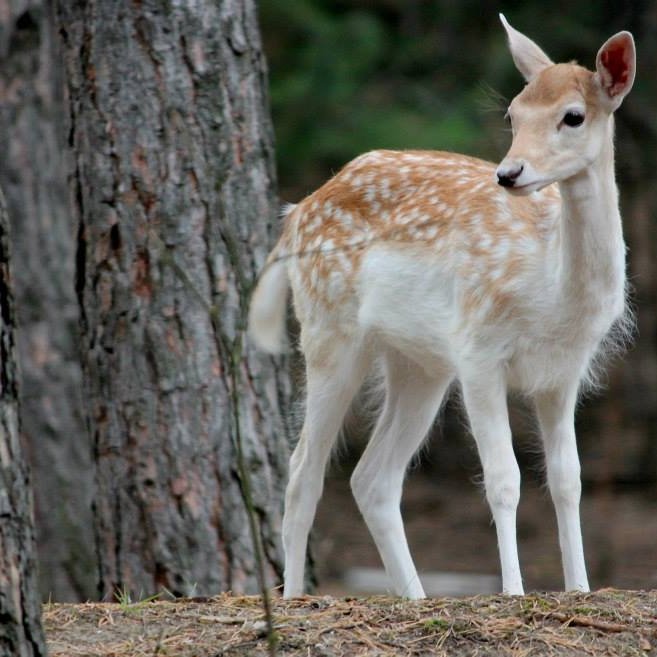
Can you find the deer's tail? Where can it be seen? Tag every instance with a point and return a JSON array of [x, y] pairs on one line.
[[267, 310]]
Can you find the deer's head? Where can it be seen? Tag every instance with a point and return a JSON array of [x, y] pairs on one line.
[[562, 118]]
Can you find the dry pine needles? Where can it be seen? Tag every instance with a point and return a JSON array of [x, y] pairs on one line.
[[610, 622]]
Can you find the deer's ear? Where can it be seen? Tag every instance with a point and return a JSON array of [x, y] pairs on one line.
[[616, 66], [529, 59]]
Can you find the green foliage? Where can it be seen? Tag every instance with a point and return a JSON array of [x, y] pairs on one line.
[[346, 78], [436, 625], [128, 605]]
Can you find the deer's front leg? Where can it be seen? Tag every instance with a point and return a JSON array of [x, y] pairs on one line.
[[485, 401], [556, 416]]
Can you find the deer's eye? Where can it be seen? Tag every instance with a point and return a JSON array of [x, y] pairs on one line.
[[573, 119]]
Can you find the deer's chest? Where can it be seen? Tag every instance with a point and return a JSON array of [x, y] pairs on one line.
[[563, 346]]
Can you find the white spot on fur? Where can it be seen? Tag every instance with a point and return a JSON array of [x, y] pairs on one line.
[[328, 246]]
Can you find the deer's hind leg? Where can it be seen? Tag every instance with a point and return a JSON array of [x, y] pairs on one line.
[[411, 404], [331, 384]]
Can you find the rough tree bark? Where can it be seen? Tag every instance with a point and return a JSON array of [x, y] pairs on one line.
[[20, 608], [32, 135], [173, 187]]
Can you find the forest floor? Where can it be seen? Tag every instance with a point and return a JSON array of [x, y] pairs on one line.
[[608, 622]]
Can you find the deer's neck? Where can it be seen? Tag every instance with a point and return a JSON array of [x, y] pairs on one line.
[[593, 251]]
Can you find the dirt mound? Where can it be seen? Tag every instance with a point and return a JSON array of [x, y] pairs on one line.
[[610, 622]]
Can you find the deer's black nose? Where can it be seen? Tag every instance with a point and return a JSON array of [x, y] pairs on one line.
[[507, 176]]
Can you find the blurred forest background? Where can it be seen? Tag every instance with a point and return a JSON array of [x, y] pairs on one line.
[[134, 477], [347, 76]]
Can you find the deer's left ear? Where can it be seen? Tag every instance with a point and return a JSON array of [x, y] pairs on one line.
[[616, 66]]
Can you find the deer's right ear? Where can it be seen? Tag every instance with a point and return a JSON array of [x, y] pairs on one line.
[[529, 59]]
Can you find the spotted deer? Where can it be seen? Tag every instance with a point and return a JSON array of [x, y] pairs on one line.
[[438, 267]]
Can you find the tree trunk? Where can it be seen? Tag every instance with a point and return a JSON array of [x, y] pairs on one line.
[[33, 176], [20, 608], [173, 189]]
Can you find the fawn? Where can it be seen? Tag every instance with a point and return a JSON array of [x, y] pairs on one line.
[[438, 267]]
